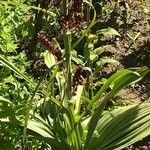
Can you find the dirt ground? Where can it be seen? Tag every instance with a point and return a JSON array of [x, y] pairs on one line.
[[131, 19], [132, 48]]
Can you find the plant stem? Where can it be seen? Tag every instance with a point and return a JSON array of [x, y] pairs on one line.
[[50, 86], [28, 115], [67, 41], [85, 32], [88, 14], [88, 50], [65, 9], [67, 44]]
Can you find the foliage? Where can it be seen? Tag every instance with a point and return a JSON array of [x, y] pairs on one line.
[[61, 108]]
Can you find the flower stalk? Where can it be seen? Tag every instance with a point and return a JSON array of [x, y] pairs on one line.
[[67, 44], [67, 41], [88, 49]]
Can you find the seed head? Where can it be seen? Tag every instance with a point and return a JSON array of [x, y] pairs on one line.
[[71, 21], [78, 78], [77, 6], [49, 45]]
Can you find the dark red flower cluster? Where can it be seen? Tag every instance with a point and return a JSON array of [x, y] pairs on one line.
[[57, 2], [76, 6], [78, 77], [49, 45], [71, 21]]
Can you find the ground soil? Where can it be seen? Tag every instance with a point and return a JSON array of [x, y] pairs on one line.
[[131, 49], [129, 20]]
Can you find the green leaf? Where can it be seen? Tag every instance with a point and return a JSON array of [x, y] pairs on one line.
[[85, 122], [75, 58], [122, 127], [108, 32], [93, 57], [40, 134], [39, 128], [103, 61], [96, 52], [27, 116], [49, 59], [11, 46], [77, 99], [49, 130], [119, 80], [87, 69], [110, 81], [14, 69], [88, 47], [5, 35], [50, 13], [2, 99], [145, 9], [87, 29], [61, 84]]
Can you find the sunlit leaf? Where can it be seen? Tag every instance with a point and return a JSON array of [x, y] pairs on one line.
[[103, 61], [8, 64], [122, 127], [77, 99], [49, 59], [108, 32], [39, 128], [119, 80]]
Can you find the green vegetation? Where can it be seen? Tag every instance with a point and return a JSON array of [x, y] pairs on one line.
[[51, 93]]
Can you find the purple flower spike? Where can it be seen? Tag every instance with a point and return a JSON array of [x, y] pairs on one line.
[[50, 46]]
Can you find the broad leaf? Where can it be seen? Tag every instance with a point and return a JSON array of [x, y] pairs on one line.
[[39, 128], [119, 80], [122, 127]]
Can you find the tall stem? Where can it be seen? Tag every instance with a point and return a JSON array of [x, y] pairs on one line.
[[65, 9], [27, 117], [67, 43], [88, 10]]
